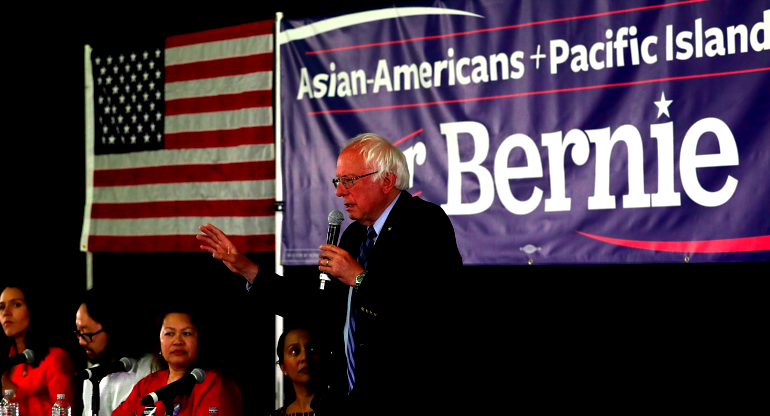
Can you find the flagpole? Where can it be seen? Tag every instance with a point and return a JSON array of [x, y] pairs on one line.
[[279, 397], [89, 97]]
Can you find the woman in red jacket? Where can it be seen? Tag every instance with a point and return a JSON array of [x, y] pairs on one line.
[[182, 351], [35, 384]]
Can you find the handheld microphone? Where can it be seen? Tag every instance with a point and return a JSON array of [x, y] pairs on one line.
[[172, 390], [25, 357], [99, 372], [332, 237]]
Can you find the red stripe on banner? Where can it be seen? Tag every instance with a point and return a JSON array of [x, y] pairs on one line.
[[243, 171], [187, 243], [733, 245], [406, 137], [226, 102], [220, 67], [524, 94], [225, 33], [219, 138], [165, 209], [493, 29]]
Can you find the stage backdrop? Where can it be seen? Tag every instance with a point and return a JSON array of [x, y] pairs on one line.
[[551, 132]]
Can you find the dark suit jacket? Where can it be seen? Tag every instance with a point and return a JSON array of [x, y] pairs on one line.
[[403, 305]]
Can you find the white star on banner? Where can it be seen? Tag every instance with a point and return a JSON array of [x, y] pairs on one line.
[[115, 89], [133, 56], [145, 76], [122, 98], [151, 64], [158, 115], [133, 77], [120, 119], [99, 81], [97, 60], [128, 108], [133, 118], [115, 69], [109, 60], [126, 128], [139, 66], [160, 136], [128, 68], [152, 106], [157, 74], [133, 139], [102, 70], [139, 128], [146, 138], [157, 53], [133, 98], [139, 107], [146, 117], [663, 105], [109, 79], [112, 139], [152, 85], [120, 58], [138, 87], [145, 55], [105, 129]]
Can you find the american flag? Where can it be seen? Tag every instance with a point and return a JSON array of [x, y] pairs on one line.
[[183, 136]]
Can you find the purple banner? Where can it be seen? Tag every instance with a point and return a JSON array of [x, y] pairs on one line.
[[550, 132]]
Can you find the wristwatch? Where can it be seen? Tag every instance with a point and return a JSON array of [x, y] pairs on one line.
[[359, 279]]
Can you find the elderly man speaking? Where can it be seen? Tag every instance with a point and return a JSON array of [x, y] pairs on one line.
[[393, 267]]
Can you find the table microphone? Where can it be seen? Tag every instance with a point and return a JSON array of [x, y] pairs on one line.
[[25, 357], [181, 386], [332, 237], [123, 365]]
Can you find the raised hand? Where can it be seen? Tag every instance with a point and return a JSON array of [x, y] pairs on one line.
[[216, 242]]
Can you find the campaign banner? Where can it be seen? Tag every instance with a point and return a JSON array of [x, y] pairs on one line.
[[550, 132]]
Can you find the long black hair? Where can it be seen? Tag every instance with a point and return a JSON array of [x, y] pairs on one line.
[[37, 338]]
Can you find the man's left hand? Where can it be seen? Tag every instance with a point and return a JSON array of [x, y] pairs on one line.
[[339, 264]]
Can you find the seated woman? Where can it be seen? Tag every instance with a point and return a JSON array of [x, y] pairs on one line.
[[299, 357], [35, 384], [182, 349]]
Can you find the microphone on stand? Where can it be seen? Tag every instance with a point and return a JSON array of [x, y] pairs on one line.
[[176, 388], [332, 237], [98, 372], [25, 357]]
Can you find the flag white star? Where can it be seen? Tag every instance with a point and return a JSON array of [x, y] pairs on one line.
[[104, 140], [128, 108], [108, 79], [133, 98], [128, 68], [157, 53], [115, 89], [139, 66], [133, 77], [145, 96], [151, 64], [102, 70], [160, 136], [145, 55], [146, 117], [97, 60], [120, 58], [122, 98], [138, 87], [99, 81], [152, 106], [133, 139], [145, 75], [663, 105], [115, 69], [112, 120], [122, 78], [126, 128], [157, 74], [139, 107], [105, 129], [139, 128], [152, 85], [152, 126], [146, 138], [133, 118], [157, 95], [128, 87], [120, 119], [114, 110], [101, 100], [109, 60], [133, 56], [122, 139], [158, 115], [112, 139]]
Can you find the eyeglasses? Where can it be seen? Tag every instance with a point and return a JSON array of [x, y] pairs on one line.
[[88, 338], [349, 182]]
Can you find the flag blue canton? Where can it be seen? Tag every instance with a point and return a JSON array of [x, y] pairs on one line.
[[128, 99]]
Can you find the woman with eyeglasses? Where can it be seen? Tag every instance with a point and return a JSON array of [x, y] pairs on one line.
[[184, 346], [35, 384], [299, 357]]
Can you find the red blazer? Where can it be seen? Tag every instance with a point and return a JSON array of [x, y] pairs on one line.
[[37, 390], [215, 391]]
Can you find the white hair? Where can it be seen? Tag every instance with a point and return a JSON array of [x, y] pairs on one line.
[[381, 156]]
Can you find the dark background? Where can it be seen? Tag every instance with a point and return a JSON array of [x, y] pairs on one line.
[[605, 338]]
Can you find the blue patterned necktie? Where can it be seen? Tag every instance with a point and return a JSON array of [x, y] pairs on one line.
[[350, 348]]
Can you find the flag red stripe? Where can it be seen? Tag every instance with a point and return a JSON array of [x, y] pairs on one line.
[[225, 102], [225, 33], [219, 138], [165, 209], [220, 67], [732, 245], [243, 171], [187, 243]]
